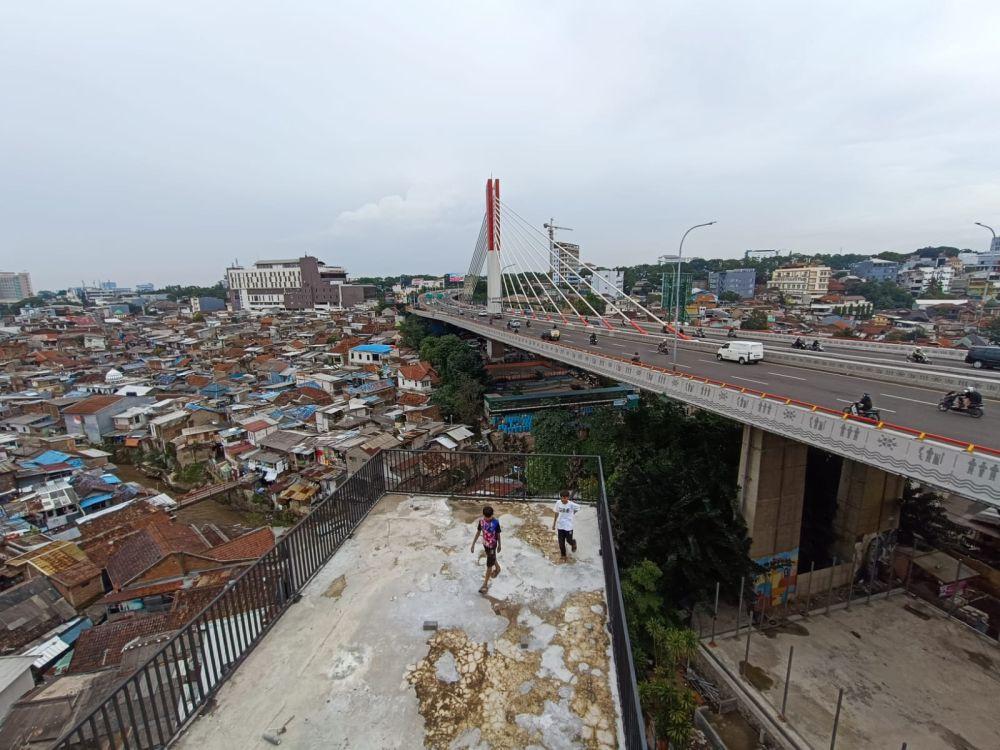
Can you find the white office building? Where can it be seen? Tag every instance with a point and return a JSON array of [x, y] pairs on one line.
[[15, 286], [608, 281]]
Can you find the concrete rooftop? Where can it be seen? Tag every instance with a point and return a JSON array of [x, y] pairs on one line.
[[350, 666], [909, 675]]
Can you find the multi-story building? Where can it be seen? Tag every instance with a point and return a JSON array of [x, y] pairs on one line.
[[801, 283], [875, 269], [564, 263], [15, 286], [917, 280], [608, 281], [739, 280], [292, 284]]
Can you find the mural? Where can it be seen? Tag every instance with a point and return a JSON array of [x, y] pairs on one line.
[[513, 423], [778, 580]]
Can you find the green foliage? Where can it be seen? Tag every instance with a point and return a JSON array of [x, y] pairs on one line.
[[198, 318], [659, 649], [671, 483], [845, 333], [729, 297], [192, 474], [923, 515], [592, 301], [884, 295], [414, 330], [755, 321], [992, 331], [175, 292], [463, 378], [934, 291]]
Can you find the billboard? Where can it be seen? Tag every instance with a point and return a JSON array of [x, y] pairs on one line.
[[455, 278]]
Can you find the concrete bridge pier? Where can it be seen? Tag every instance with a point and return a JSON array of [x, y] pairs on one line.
[[856, 500], [495, 350]]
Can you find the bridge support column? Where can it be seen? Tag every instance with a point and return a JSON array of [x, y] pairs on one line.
[[495, 350], [772, 487], [868, 503]]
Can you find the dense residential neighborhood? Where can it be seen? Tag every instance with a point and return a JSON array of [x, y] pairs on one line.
[[154, 444]]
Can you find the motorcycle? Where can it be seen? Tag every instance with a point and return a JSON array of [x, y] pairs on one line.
[[699, 333], [872, 413], [593, 338], [731, 334], [663, 347], [949, 403], [635, 358], [799, 345], [918, 359], [815, 346]]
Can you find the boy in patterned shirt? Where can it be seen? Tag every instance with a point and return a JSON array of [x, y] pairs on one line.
[[489, 528]]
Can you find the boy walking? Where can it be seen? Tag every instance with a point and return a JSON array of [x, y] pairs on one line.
[[489, 528], [562, 521]]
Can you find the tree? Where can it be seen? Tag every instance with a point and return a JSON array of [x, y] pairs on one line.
[[198, 317], [935, 291], [992, 331], [923, 515], [884, 295], [729, 296], [414, 330], [592, 301], [845, 333], [756, 321]]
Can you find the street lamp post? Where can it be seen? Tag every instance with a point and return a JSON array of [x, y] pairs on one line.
[[986, 288], [677, 289]]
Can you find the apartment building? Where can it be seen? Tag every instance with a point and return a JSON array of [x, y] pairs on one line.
[[15, 286], [290, 284], [738, 280], [801, 283]]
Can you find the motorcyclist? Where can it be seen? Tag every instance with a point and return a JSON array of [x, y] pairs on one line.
[[699, 333], [799, 343], [816, 346], [635, 357], [864, 405], [593, 338], [969, 397], [527, 324], [918, 355], [731, 334]]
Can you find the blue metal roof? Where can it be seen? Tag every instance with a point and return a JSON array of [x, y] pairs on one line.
[[95, 499], [373, 348]]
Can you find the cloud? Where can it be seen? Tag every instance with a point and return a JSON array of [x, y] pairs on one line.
[[420, 208]]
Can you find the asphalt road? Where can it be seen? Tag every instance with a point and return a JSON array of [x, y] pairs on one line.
[[908, 406]]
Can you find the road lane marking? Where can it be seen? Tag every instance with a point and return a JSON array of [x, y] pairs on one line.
[[710, 361], [749, 380], [904, 398], [782, 375]]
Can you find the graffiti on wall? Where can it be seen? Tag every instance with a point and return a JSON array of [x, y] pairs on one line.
[[513, 423], [777, 581]]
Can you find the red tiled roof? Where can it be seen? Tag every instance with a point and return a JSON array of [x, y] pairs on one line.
[[140, 591], [419, 371], [148, 547], [197, 381], [93, 405], [413, 399], [250, 546], [257, 424], [102, 646]]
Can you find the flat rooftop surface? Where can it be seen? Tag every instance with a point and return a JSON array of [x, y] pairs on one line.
[[350, 665], [909, 675]]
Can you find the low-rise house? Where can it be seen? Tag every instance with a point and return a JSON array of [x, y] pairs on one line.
[[419, 377], [94, 417], [67, 567], [369, 354]]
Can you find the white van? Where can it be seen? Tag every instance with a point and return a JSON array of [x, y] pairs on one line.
[[744, 352]]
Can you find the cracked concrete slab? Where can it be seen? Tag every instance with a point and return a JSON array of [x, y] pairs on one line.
[[527, 665]]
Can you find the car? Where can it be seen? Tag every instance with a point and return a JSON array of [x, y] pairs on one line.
[[515, 324], [983, 356], [483, 313], [744, 352], [552, 335]]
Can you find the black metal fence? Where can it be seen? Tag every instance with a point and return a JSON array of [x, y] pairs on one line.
[[150, 708]]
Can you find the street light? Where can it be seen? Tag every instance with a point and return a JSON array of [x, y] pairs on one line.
[[677, 289], [986, 289]]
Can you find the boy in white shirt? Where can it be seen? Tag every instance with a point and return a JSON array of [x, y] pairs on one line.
[[563, 514]]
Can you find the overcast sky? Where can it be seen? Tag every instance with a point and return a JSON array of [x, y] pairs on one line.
[[159, 141]]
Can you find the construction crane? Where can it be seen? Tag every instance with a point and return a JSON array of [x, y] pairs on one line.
[[556, 260]]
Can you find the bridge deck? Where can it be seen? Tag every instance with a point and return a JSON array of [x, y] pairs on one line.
[[351, 665]]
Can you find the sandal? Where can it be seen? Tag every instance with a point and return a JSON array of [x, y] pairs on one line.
[[483, 590]]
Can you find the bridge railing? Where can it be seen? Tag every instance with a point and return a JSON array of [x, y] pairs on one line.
[[151, 706]]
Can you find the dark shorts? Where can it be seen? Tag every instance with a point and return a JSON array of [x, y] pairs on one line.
[[491, 556]]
